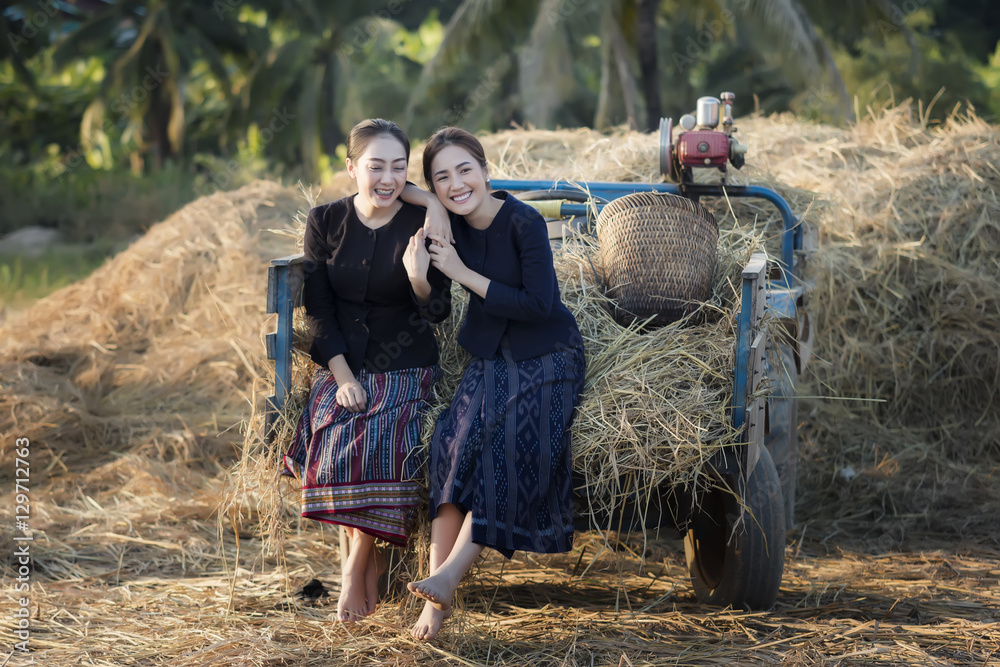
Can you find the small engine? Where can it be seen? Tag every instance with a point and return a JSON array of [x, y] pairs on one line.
[[699, 143]]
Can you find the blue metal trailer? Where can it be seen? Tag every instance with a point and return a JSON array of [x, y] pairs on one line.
[[734, 535]]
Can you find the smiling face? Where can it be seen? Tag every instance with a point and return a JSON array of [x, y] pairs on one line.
[[459, 180], [380, 171]]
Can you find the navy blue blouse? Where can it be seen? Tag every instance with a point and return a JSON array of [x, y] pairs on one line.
[[522, 302]]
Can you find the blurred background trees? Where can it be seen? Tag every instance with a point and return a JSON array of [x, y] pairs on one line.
[[187, 96]]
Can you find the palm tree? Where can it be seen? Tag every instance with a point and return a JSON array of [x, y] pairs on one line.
[[305, 72], [544, 31], [150, 47], [22, 36]]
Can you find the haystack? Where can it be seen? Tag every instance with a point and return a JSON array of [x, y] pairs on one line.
[[152, 352]]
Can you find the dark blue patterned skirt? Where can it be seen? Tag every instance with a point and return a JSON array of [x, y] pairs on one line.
[[502, 450]]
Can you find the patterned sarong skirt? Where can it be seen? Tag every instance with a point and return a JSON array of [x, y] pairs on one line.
[[362, 469], [501, 450]]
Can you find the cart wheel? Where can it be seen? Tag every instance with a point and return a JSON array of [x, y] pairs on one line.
[[781, 437], [739, 566]]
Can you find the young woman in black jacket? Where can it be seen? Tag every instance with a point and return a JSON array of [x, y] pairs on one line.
[[370, 295]]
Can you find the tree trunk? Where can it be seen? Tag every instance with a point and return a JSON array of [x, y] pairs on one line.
[[649, 68], [331, 134], [630, 90], [604, 95], [159, 135], [542, 65]]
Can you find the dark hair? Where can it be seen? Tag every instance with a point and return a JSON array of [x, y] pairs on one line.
[[451, 136], [366, 130]]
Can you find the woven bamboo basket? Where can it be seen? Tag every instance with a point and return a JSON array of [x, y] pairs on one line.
[[659, 253]]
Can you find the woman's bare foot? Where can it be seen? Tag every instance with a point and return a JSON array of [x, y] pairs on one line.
[[352, 605], [373, 570], [429, 623], [436, 589]]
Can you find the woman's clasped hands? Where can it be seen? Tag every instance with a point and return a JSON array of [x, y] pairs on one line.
[[439, 253], [445, 258], [416, 259]]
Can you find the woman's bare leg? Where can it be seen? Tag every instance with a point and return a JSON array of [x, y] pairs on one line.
[[374, 568], [445, 527], [439, 588], [353, 603], [346, 535]]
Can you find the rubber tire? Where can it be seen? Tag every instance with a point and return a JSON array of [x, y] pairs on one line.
[[744, 571], [781, 438]]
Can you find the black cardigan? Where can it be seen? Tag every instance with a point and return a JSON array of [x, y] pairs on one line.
[[522, 301], [358, 298]]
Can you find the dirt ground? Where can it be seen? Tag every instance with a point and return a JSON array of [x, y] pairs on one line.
[[122, 578]]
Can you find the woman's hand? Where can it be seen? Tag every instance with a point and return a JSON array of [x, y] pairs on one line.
[[416, 259], [436, 221], [446, 260], [351, 395]]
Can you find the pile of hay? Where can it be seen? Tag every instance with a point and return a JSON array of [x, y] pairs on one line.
[[150, 356], [656, 404], [907, 297]]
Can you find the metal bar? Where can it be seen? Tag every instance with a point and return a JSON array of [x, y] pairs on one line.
[[287, 260], [272, 290], [271, 345], [753, 277], [281, 301], [283, 336], [791, 237]]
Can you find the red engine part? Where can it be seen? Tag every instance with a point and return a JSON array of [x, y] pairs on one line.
[[703, 148]]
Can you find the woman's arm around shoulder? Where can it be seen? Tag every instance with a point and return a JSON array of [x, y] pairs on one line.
[[437, 223]]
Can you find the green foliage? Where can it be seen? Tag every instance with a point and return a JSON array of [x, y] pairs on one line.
[[266, 87], [990, 73], [946, 74], [50, 111], [24, 278], [85, 204]]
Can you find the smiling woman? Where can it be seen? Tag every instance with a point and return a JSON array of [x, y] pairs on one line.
[[370, 294], [499, 471]]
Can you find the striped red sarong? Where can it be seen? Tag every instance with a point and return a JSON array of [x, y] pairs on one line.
[[362, 469]]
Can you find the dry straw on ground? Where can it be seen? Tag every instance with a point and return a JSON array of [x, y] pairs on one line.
[[132, 386]]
